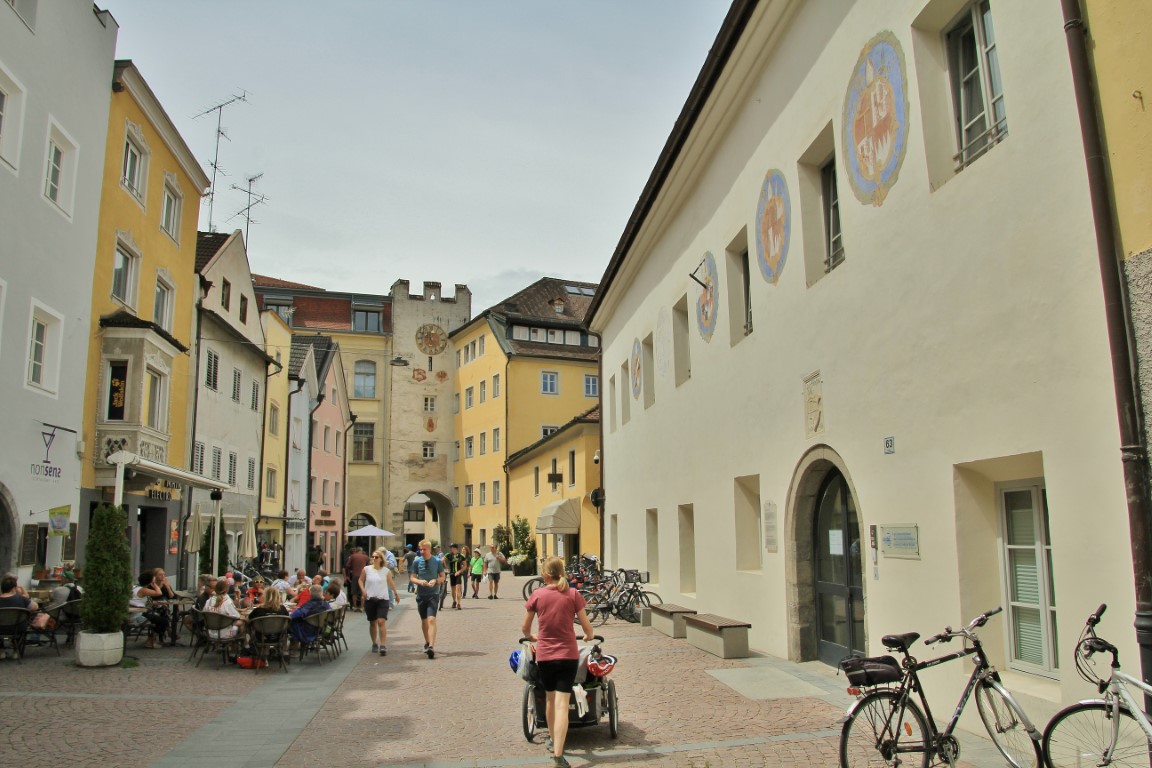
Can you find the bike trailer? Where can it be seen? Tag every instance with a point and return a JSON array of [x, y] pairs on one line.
[[876, 670]]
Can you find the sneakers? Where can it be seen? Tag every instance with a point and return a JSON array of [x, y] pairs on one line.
[[431, 652], [383, 651], [490, 597], [426, 647], [549, 744], [560, 762], [375, 648]]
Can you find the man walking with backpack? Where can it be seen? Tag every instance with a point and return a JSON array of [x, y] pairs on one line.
[[427, 574]]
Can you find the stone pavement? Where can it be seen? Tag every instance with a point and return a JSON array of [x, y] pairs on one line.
[[678, 706]]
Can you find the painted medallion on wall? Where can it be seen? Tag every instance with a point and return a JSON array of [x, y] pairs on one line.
[[773, 225], [431, 339], [636, 369], [875, 129], [707, 304]]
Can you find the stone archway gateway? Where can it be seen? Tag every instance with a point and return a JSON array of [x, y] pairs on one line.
[[824, 567], [9, 531]]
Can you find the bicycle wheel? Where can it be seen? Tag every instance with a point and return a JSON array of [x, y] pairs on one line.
[[532, 585], [596, 607], [876, 735], [613, 709], [1006, 729], [528, 711], [629, 608], [1080, 734]]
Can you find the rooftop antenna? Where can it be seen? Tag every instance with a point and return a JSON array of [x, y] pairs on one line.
[[246, 211], [219, 110]]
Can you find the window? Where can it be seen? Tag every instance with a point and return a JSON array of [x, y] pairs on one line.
[[324, 492], [212, 371], [482, 352], [430, 405], [364, 381], [468, 495], [468, 441], [255, 403], [284, 310], [648, 371], [363, 442], [162, 305], [496, 385], [251, 474], [977, 93], [555, 471], [495, 491], [338, 443], [747, 523], [336, 497], [155, 412], [217, 460], [468, 398], [11, 118], [591, 385], [60, 169], [536, 480], [118, 392], [681, 352], [366, 320], [548, 429], [124, 275], [274, 419], [44, 346], [428, 450], [549, 382], [520, 333], [232, 468], [1027, 559], [456, 402], [483, 494], [226, 294], [455, 497], [483, 443], [171, 210], [830, 199], [236, 385], [198, 457], [312, 490], [483, 391], [243, 309], [269, 483], [297, 431], [571, 467], [495, 439], [134, 172], [327, 439]]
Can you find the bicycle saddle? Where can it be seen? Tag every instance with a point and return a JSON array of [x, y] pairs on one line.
[[900, 642]]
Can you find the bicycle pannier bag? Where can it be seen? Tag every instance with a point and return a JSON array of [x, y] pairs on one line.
[[871, 671]]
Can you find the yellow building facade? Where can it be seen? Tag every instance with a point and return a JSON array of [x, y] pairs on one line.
[[273, 481], [139, 381]]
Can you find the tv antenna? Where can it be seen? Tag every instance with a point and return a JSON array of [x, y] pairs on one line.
[[219, 110], [253, 201]]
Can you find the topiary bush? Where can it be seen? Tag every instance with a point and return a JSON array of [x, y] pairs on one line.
[[107, 571]]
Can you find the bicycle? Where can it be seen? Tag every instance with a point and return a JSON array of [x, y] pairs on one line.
[[621, 595], [886, 726], [1113, 730]]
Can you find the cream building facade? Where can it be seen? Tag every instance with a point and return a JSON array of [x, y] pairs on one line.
[[857, 374]]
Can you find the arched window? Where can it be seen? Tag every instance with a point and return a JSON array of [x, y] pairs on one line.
[[365, 381]]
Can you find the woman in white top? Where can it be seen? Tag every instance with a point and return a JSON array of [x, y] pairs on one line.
[[377, 586], [140, 607], [222, 604]]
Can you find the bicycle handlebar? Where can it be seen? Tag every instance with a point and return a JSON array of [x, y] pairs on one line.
[[948, 634], [1094, 619]]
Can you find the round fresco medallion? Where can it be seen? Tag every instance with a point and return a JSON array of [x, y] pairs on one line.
[[875, 129], [707, 306], [637, 369], [773, 225]]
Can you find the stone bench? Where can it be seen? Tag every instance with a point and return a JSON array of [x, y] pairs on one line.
[[726, 638], [669, 618]]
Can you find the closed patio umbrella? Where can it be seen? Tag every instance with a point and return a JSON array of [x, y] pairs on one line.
[[248, 546], [195, 531]]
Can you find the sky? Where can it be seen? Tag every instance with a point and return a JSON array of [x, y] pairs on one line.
[[483, 142]]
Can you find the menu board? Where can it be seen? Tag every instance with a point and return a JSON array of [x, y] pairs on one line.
[[28, 545]]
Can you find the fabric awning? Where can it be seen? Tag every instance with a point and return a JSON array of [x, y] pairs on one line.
[[122, 459], [560, 517]]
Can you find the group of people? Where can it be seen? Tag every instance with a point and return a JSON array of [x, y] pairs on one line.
[[12, 595]]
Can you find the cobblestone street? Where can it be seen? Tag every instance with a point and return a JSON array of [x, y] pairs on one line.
[[678, 706]]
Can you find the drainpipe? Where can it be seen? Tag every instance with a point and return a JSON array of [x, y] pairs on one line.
[[308, 517], [264, 421], [182, 563], [1133, 450], [287, 473]]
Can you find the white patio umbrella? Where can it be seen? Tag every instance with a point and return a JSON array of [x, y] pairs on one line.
[[195, 531], [369, 530], [248, 546]]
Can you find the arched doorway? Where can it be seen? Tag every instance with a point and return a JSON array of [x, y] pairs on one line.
[[367, 543], [9, 531], [838, 576]]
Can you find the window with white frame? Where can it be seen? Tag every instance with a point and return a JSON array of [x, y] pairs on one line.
[[337, 499], [483, 391], [134, 171], [591, 385], [363, 442], [236, 385], [483, 494], [324, 494], [468, 445], [274, 419], [977, 93], [483, 443], [125, 265], [495, 491], [456, 495], [496, 385], [270, 483], [364, 381], [430, 404], [313, 489], [549, 382], [60, 169], [45, 328], [468, 396], [327, 439], [217, 461], [11, 118], [198, 457], [337, 444], [482, 346], [226, 294], [468, 495], [155, 410], [212, 371], [232, 462], [520, 333], [171, 210], [495, 439], [548, 429], [830, 204], [428, 450], [1027, 562], [162, 305], [251, 474]]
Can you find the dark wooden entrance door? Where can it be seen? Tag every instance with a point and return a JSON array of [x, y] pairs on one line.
[[839, 572]]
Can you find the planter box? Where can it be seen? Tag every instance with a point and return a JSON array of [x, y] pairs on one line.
[[99, 650]]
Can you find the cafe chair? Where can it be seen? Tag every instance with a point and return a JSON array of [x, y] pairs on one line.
[[48, 632], [71, 619], [214, 624], [338, 628], [199, 638], [269, 635], [14, 629], [323, 642]]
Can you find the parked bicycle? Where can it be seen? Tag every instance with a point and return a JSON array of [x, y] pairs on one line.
[[886, 725], [1113, 730], [622, 596]]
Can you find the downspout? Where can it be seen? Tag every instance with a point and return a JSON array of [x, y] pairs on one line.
[[508, 445], [308, 517], [1121, 342], [287, 472], [603, 459], [263, 441]]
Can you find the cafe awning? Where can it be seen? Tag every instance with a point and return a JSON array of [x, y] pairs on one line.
[[560, 517], [123, 459]]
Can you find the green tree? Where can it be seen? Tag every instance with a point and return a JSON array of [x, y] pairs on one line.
[[502, 538], [524, 542], [206, 551], [107, 571]]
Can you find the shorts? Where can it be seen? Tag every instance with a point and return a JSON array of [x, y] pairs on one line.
[[476, 577], [427, 605], [376, 608], [494, 577], [557, 675], [455, 580]]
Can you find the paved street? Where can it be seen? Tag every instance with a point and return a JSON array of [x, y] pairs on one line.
[[678, 706]]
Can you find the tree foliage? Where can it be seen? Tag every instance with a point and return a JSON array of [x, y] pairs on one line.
[[107, 571], [206, 550]]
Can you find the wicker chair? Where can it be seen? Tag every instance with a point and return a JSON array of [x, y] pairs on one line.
[[14, 629], [269, 634], [214, 624], [323, 642]]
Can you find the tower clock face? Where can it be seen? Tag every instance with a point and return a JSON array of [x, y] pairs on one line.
[[431, 339]]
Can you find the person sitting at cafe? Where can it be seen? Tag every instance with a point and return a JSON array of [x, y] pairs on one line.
[[70, 590], [299, 578], [221, 603], [141, 611], [207, 589], [12, 595], [281, 583], [255, 592], [334, 594], [302, 631], [271, 604]]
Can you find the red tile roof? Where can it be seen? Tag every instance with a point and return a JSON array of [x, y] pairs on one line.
[[275, 282]]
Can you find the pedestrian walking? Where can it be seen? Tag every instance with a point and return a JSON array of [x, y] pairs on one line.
[[456, 565], [554, 606], [409, 557], [353, 567], [376, 586], [428, 575], [494, 563]]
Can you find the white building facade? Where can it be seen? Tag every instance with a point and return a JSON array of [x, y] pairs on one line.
[[855, 367], [53, 125]]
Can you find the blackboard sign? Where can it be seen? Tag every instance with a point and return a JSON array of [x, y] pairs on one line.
[[69, 548], [28, 545], [117, 387]]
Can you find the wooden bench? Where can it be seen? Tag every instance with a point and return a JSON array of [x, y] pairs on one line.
[[669, 618], [721, 637]]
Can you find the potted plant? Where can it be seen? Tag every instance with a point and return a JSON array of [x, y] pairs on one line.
[[107, 586]]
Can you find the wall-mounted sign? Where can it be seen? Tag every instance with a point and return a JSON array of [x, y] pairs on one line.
[[771, 544], [117, 390], [889, 445], [902, 541]]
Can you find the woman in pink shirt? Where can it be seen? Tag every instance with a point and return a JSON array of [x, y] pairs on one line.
[[554, 606]]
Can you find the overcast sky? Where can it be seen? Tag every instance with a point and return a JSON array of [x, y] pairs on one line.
[[484, 142]]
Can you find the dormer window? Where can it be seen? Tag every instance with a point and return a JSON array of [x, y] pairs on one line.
[[558, 306]]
